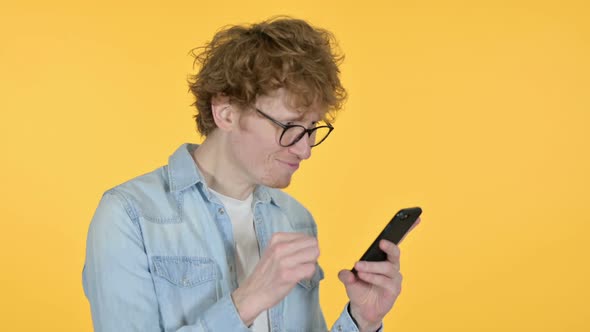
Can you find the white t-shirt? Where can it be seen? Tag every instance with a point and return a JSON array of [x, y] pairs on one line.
[[246, 245]]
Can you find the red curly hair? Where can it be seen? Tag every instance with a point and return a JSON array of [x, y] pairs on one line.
[[243, 62]]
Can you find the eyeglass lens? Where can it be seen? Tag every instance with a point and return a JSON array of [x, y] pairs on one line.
[[294, 134]]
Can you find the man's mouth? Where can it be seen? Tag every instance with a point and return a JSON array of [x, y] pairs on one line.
[[293, 166]]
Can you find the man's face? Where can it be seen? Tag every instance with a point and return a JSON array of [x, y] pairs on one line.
[[255, 143]]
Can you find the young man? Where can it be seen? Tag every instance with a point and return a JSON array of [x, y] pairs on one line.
[[209, 242]]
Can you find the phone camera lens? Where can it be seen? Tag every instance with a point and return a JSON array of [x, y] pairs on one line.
[[403, 216]]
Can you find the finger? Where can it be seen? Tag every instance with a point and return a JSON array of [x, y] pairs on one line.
[[303, 271], [385, 268], [416, 223], [379, 280], [346, 277], [411, 228], [285, 236], [309, 254], [392, 251], [286, 249]]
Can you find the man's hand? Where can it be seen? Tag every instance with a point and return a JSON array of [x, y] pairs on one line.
[[288, 259], [374, 290]]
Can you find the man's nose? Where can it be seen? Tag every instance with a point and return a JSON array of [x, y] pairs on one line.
[[302, 148]]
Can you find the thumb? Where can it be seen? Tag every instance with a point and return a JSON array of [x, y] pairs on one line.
[[346, 277]]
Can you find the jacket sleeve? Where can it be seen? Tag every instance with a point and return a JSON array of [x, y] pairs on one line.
[[118, 283], [345, 323]]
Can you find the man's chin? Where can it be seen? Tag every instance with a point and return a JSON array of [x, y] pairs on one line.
[[279, 183]]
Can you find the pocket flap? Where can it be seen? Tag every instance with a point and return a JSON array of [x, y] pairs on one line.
[[185, 271], [315, 279]]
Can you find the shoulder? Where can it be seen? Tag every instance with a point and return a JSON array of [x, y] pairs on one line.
[[155, 180], [148, 196]]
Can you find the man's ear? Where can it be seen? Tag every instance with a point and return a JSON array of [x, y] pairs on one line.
[[222, 110]]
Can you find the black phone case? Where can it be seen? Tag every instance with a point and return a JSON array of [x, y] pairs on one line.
[[394, 231]]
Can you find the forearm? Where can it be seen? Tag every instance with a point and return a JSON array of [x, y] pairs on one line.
[[246, 306]]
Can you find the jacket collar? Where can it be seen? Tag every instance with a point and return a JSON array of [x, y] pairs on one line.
[[183, 173]]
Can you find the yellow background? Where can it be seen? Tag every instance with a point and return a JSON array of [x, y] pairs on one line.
[[478, 111]]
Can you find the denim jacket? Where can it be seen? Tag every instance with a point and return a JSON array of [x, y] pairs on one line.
[[160, 256]]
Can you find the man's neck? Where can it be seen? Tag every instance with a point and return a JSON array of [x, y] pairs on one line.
[[214, 160]]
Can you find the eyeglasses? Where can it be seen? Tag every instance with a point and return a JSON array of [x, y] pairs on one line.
[[293, 133]]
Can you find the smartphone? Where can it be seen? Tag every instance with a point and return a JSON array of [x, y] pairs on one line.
[[395, 230]]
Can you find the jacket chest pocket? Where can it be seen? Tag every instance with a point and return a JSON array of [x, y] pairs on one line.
[[185, 286]]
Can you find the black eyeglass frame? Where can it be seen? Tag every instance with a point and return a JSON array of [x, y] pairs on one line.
[[307, 131]]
